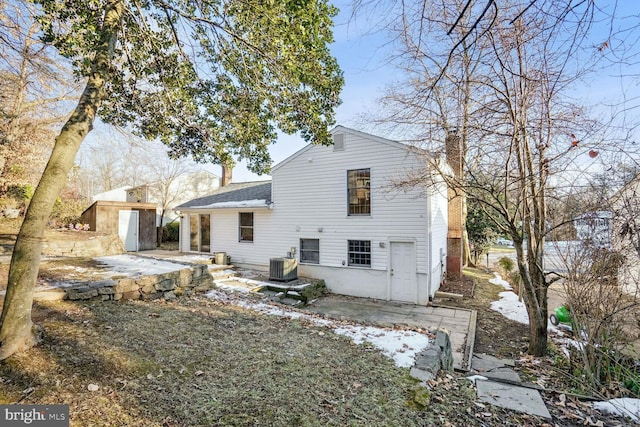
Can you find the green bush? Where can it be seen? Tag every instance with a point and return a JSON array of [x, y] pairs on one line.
[[20, 193], [171, 232], [506, 264], [66, 211]]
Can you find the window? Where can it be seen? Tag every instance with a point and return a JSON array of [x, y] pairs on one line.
[[360, 253], [310, 251], [359, 191], [246, 226]]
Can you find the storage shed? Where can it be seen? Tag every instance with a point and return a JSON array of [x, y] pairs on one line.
[[135, 223]]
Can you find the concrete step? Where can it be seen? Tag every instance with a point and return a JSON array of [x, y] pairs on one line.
[[503, 387], [222, 272]]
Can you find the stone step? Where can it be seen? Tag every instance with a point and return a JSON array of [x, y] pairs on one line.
[[49, 294]]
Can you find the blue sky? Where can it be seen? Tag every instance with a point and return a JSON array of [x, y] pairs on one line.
[[362, 55], [360, 59]]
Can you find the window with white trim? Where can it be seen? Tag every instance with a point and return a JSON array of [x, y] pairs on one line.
[[245, 231], [310, 251], [360, 253], [359, 191]]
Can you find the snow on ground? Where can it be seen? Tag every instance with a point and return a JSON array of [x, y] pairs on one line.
[[194, 258], [509, 306], [400, 346], [625, 406], [497, 280], [131, 265]]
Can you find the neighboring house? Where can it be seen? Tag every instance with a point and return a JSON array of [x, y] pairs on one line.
[[625, 236], [116, 195], [594, 227], [173, 191], [336, 210]]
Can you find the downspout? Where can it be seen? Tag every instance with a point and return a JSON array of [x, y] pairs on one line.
[[429, 245]]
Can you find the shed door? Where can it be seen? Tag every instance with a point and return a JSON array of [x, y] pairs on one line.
[[128, 229], [403, 272]]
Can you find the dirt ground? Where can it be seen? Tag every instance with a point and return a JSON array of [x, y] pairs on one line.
[[144, 356], [495, 335], [53, 269], [504, 338]]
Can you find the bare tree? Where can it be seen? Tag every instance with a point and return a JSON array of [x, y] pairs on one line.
[[167, 180], [505, 84], [35, 82], [428, 113]]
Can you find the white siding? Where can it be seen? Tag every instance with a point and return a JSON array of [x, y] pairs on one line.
[[225, 236], [184, 234], [439, 225], [309, 195], [310, 201]]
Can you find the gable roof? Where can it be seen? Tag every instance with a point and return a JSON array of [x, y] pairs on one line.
[[234, 195], [343, 129]]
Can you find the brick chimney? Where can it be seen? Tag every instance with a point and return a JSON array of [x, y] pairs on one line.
[[226, 175], [454, 233]]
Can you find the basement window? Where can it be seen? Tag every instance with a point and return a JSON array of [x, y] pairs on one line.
[[360, 253], [310, 251]]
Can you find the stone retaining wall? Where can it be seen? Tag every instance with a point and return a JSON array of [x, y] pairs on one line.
[[166, 285], [95, 246]]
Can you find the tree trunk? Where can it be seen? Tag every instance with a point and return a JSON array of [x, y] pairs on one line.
[[537, 336], [17, 331], [534, 290]]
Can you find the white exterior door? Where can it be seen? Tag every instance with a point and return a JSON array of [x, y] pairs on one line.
[[128, 229], [403, 272]]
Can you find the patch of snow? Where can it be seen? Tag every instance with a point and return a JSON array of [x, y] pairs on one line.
[[131, 265], [401, 346], [498, 280], [215, 273], [509, 306], [625, 406], [195, 258], [236, 204], [231, 287]]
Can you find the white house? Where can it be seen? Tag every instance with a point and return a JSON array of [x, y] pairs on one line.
[[594, 227], [625, 234], [116, 195], [337, 211]]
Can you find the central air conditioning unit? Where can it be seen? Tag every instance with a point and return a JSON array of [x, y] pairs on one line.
[[283, 269]]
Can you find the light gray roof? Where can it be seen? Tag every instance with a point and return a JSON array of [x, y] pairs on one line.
[[227, 196]]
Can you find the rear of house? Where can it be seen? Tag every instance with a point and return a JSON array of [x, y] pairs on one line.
[[338, 212]]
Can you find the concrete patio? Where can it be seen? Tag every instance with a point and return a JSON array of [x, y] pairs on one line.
[[459, 323]]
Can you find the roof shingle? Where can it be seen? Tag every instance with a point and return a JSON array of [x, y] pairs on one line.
[[234, 192]]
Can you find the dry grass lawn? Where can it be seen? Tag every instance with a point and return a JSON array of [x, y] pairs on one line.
[[196, 362]]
